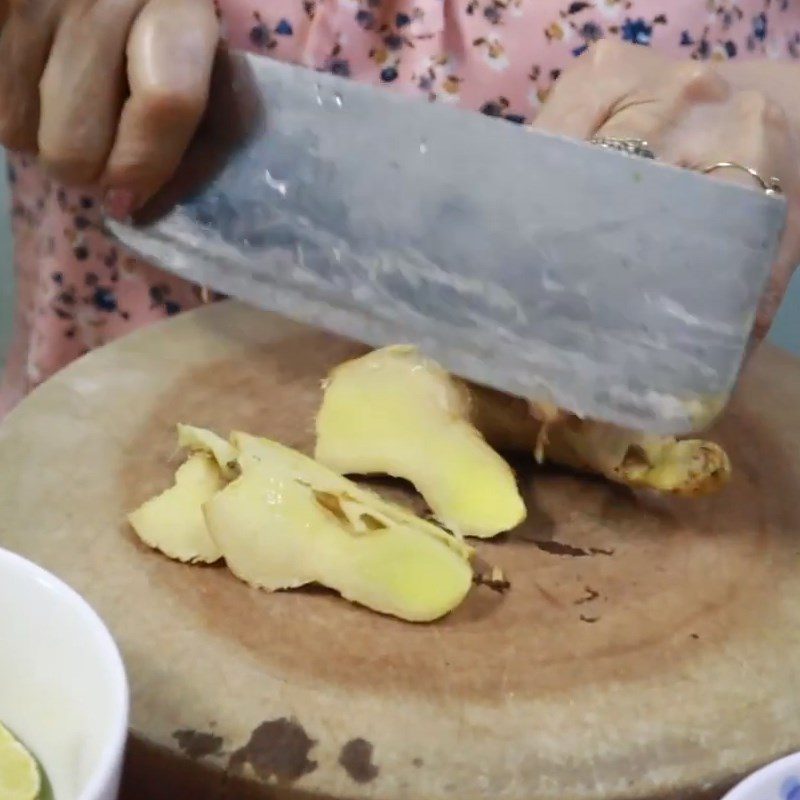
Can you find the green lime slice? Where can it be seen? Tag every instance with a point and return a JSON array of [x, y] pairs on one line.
[[19, 774]]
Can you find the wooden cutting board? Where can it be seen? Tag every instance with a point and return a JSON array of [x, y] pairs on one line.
[[645, 650]]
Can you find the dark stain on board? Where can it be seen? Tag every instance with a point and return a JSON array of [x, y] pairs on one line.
[[197, 744], [356, 758], [563, 549], [279, 750], [588, 597]]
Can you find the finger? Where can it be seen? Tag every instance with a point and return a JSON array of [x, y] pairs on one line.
[[662, 104], [24, 44], [770, 302], [788, 257], [748, 130], [584, 96], [170, 56], [82, 88], [755, 132]]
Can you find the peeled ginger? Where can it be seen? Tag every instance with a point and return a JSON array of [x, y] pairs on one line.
[[395, 412], [283, 521]]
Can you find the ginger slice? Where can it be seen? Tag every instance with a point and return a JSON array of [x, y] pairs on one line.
[[287, 522], [205, 441], [396, 413], [352, 498], [173, 521]]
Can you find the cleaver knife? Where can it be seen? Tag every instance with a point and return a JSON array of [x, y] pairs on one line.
[[616, 287]]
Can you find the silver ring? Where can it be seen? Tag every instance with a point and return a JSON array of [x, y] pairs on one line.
[[630, 147], [770, 185]]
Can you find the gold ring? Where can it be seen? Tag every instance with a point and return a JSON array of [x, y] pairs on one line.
[[770, 185]]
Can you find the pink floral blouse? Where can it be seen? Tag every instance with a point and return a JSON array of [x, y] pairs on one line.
[[76, 290]]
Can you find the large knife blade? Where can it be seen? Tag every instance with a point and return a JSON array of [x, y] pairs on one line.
[[618, 288]]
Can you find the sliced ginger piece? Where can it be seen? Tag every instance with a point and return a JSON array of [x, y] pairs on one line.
[[353, 500], [397, 413], [287, 522], [173, 521], [201, 440]]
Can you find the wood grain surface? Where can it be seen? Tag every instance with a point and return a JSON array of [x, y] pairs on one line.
[[645, 650]]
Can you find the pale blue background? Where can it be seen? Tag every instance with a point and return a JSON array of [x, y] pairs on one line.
[[786, 331]]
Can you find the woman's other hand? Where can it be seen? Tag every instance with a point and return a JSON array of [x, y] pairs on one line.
[[691, 116], [106, 92]]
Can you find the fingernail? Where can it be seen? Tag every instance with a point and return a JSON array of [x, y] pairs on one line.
[[119, 204]]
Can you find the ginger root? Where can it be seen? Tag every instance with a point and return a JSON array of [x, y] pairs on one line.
[[394, 412], [664, 464], [398, 413], [688, 467]]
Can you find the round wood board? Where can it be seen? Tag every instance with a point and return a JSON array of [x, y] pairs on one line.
[[644, 650]]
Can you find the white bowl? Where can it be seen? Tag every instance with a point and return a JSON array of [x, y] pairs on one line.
[[63, 689], [779, 780]]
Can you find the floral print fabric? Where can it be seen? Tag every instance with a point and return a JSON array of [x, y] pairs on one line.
[[76, 290]]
